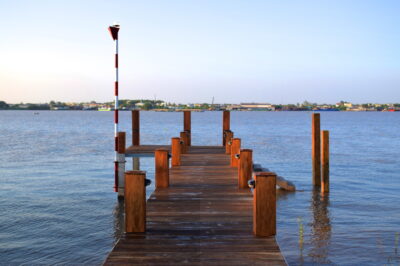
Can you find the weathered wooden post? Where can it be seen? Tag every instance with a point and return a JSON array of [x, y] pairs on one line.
[[121, 137], [136, 136], [245, 169], [325, 161], [226, 125], [316, 149], [135, 127], [135, 202], [162, 168], [235, 150], [185, 140], [187, 126], [176, 151], [228, 143], [264, 204]]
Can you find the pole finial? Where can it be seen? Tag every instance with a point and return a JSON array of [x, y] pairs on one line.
[[114, 31]]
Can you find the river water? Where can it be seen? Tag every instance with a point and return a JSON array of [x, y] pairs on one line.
[[57, 202]]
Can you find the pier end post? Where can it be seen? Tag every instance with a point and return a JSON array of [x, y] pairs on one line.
[[264, 204], [135, 202], [162, 168], [325, 161], [245, 168], [316, 149]]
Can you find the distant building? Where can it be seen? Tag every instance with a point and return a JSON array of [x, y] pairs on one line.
[[257, 106]]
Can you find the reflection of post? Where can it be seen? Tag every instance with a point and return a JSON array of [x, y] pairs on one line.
[[320, 228]]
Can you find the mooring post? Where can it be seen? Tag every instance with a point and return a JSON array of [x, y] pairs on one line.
[[121, 137], [135, 127], [325, 161], [316, 149], [136, 136], [187, 126], [135, 202], [176, 151], [264, 204], [228, 143], [184, 140], [162, 168], [235, 150], [226, 125], [245, 169]]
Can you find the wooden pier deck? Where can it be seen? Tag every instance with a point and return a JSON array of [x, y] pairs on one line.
[[202, 218]]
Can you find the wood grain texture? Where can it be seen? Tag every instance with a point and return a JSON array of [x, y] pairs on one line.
[[185, 141], [235, 149], [135, 127], [316, 149], [135, 202], [162, 168], [245, 168], [325, 161], [226, 125], [176, 151], [187, 125], [264, 204], [228, 143], [121, 142], [201, 219]]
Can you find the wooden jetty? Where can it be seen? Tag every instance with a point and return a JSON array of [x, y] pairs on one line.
[[200, 212]]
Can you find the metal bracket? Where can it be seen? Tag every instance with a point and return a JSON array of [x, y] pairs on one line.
[[147, 182], [251, 183]]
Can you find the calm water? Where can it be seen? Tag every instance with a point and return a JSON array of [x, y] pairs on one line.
[[57, 202]]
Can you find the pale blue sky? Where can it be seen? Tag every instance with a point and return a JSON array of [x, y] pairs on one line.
[[282, 51]]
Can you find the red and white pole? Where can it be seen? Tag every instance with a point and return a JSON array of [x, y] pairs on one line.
[[114, 34]]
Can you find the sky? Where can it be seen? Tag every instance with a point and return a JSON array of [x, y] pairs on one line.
[[187, 51]]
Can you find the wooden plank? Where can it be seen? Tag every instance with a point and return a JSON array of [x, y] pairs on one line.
[[202, 218]]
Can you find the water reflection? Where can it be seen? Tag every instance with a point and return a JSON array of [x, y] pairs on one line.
[[320, 228], [119, 221]]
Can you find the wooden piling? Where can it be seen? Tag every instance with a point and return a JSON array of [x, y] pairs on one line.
[[245, 169], [316, 149], [135, 202], [264, 204], [228, 143], [135, 127], [176, 151], [187, 126], [185, 140], [325, 161], [226, 125], [235, 149], [121, 149], [121, 142], [162, 168]]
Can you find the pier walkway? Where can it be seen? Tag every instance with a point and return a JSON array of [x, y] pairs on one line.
[[202, 218]]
